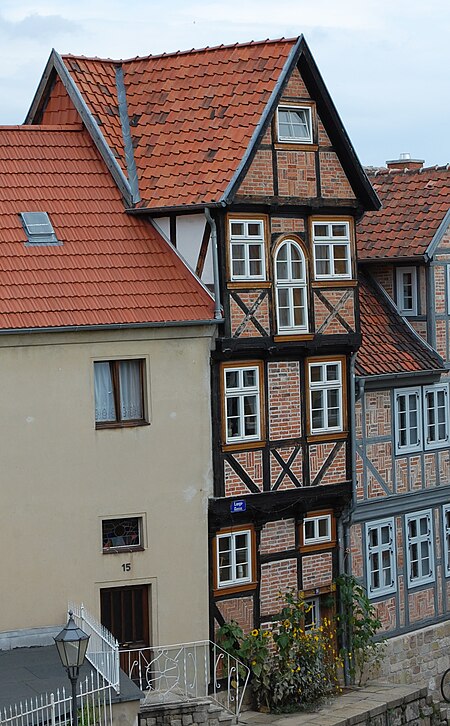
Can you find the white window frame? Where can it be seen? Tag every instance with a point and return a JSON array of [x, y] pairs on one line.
[[295, 139], [235, 578], [402, 308], [418, 541], [378, 551], [446, 538], [325, 386], [331, 242], [246, 241], [316, 538], [408, 447], [314, 604], [290, 284], [240, 393], [434, 391]]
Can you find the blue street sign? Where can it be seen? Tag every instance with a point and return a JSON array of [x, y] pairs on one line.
[[240, 505]]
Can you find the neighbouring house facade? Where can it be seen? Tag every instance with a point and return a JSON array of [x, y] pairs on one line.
[[105, 339], [238, 157], [400, 538]]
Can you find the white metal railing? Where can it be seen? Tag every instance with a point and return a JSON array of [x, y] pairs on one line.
[[188, 670], [103, 648], [55, 709]]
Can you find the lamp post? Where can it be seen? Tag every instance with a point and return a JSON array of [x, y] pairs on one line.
[[72, 643]]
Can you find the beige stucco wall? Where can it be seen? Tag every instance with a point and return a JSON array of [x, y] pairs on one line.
[[60, 476]]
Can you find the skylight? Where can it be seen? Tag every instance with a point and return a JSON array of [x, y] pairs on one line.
[[38, 228]]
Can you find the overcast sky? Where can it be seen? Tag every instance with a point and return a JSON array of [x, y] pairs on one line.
[[386, 63]]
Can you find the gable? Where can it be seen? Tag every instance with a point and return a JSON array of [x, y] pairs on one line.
[[297, 170], [59, 108]]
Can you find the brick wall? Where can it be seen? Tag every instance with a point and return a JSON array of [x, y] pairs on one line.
[[276, 577], [295, 87], [384, 275], [251, 462], [261, 314], [239, 609], [296, 467], [334, 182], [386, 613], [317, 570], [284, 400], [296, 174], [378, 410], [283, 225], [259, 178], [356, 548], [278, 536], [336, 471], [322, 313]]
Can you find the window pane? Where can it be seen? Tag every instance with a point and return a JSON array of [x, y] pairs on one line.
[[317, 410], [323, 262], [323, 527], [237, 229], [231, 379], [254, 229], [373, 537], [321, 230], [385, 535], [316, 374], [340, 254], [130, 390], [339, 230], [105, 409], [249, 378], [309, 529], [424, 525], [332, 372], [121, 532]]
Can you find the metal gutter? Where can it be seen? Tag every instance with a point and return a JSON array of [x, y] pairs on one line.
[[112, 326], [213, 227], [162, 211], [397, 504], [396, 376], [93, 128], [263, 121], [126, 133]]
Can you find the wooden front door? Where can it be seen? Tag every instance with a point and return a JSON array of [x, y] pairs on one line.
[[125, 613]]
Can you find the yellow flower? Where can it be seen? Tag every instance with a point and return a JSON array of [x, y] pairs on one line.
[[266, 634], [287, 623], [255, 632], [253, 662]]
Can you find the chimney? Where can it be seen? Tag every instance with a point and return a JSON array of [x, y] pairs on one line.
[[405, 162]]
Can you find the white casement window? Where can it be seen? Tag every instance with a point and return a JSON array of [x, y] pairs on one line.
[[408, 420], [242, 404], [446, 523], [234, 553], [317, 529], [435, 410], [325, 397], [119, 393], [380, 557], [331, 242], [419, 547], [406, 284], [247, 256], [312, 613], [291, 292], [294, 124]]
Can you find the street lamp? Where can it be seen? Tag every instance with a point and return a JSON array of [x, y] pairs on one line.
[[72, 643]]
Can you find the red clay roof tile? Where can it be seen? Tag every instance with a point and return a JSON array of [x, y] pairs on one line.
[[178, 105], [111, 268], [414, 204], [389, 346]]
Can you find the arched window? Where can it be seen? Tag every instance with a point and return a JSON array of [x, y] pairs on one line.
[[290, 280]]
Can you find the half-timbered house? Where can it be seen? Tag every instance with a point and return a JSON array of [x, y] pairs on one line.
[[401, 520], [240, 159]]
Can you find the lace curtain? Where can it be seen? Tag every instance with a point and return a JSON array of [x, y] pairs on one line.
[[105, 409], [130, 390]]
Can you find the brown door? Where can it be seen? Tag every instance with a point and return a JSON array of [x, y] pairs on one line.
[[125, 613]]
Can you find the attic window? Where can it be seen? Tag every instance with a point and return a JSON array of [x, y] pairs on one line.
[[38, 228], [294, 124]]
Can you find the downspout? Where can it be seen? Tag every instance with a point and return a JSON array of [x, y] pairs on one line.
[[343, 533], [217, 305]]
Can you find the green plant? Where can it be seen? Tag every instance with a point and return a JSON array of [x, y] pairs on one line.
[[290, 668], [358, 627]]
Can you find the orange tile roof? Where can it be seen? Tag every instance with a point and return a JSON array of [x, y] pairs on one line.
[[111, 268], [389, 346], [192, 114], [414, 204]]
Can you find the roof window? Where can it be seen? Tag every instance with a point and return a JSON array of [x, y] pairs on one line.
[[38, 228]]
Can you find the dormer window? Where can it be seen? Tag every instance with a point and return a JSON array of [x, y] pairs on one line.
[[294, 124], [38, 228], [406, 279]]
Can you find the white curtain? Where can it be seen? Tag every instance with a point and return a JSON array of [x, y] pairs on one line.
[[130, 390], [105, 409]]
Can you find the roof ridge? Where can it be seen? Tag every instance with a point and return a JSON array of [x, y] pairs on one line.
[[41, 127], [182, 52], [371, 171]]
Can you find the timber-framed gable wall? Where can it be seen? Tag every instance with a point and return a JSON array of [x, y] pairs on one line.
[[280, 372]]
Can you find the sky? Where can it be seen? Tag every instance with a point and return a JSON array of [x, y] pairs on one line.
[[386, 63]]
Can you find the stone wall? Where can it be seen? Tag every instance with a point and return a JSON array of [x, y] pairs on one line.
[[421, 656], [192, 713]]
